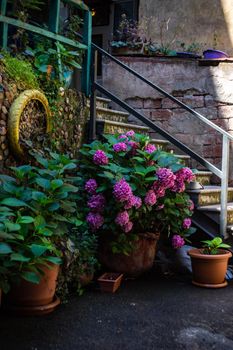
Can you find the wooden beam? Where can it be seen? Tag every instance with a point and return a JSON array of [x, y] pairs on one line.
[[46, 33]]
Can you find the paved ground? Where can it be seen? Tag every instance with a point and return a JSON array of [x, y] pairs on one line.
[[151, 313]]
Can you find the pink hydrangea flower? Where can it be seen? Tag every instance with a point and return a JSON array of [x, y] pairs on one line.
[[120, 147], [133, 201], [150, 148], [159, 190], [95, 220], [122, 191], [166, 177], [177, 241], [122, 136], [185, 174], [122, 218], [130, 133], [91, 186], [100, 158], [96, 202], [179, 186], [187, 223], [150, 198], [128, 227]]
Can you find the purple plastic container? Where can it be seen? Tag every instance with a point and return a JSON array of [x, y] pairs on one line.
[[211, 54]]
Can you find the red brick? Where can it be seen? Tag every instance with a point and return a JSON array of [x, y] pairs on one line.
[[210, 102], [150, 103], [167, 103], [135, 102], [161, 114], [225, 112], [193, 101]]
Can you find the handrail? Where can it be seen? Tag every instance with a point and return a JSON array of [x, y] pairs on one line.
[[156, 87], [222, 174]]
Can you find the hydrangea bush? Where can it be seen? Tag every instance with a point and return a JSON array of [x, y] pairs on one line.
[[131, 187]]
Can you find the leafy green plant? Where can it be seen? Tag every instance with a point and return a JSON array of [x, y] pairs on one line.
[[37, 210], [20, 71], [131, 188], [211, 247]]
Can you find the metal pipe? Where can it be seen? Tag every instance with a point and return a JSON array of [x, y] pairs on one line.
[[92, 125], [224, 186]]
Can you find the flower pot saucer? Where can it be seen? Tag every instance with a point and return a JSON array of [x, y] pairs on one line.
[[33, 310], [207, 285]]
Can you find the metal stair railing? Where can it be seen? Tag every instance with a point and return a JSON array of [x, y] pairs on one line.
[[222, 173]]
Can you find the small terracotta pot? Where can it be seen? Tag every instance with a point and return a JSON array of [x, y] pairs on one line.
[[31, 294], [109, 282], [140, 260], [209, 270]]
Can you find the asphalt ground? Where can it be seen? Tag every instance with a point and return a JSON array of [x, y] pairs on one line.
[[155, 312]]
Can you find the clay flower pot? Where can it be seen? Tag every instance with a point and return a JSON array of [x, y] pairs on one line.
[[35, 299], [140, 260], [109, 282], [209, 270]]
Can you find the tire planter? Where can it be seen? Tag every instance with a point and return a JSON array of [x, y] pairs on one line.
[[140, 260], [15, 113], [209, 270], [35, 299]]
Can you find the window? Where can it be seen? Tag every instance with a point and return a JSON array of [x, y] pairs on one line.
[[130, 8]]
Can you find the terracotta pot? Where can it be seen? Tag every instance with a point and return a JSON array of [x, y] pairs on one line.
[[209, 270], [30, 294], [109, 282], [140, 260]]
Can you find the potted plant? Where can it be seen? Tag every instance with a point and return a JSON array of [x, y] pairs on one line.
[[209, 264], [109, 282], [133, 193], [35, 215]]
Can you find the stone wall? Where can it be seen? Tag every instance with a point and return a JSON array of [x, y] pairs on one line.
[[208, 22], [209, 90]]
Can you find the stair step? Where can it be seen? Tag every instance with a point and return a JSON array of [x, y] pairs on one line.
[[111, 114], [162, 144], [209, 195], [214, 210], [112, 127], [183, 158], [100, 102], [203, 177]]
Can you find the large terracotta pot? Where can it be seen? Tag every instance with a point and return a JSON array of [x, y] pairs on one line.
[[209, 270], [140, 260], [32, 299]]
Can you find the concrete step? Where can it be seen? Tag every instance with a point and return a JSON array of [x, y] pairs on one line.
[[112, 127], [209, 195], [203, 177], [161, 144], [111, 114], [100, 102], [183, 158], [213, 211]]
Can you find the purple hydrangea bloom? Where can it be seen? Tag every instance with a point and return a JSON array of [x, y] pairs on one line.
[[91, 186], [166, 177], [159, 190], [100, 158], [150, 148], [177, 241], [122, 136], [122, 191], [95, 220], [130, 133], [187, 223], [133, 201], [96, 202], [179, 186], [150, 198], [120, 147], [128, 227], [122, 218], [185, 174]]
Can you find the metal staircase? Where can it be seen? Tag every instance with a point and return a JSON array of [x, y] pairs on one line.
[[213, 213]]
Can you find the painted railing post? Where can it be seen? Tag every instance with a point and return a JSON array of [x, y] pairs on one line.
[[87, 37], [4, 26], [92, 125], [224, 186]]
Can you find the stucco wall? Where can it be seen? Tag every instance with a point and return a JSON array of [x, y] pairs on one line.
[[190, 21], [208, 89]]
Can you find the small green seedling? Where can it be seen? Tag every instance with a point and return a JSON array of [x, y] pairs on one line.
[[212, 247]]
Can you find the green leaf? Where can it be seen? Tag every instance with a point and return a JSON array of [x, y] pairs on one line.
[[38, 250], [11, 226], [19, 257], [31, 277], [54, 260], [56, 183], [38, 196], [44, 183], [5, 248], [53, 207], [13, 202], [26, 220]]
